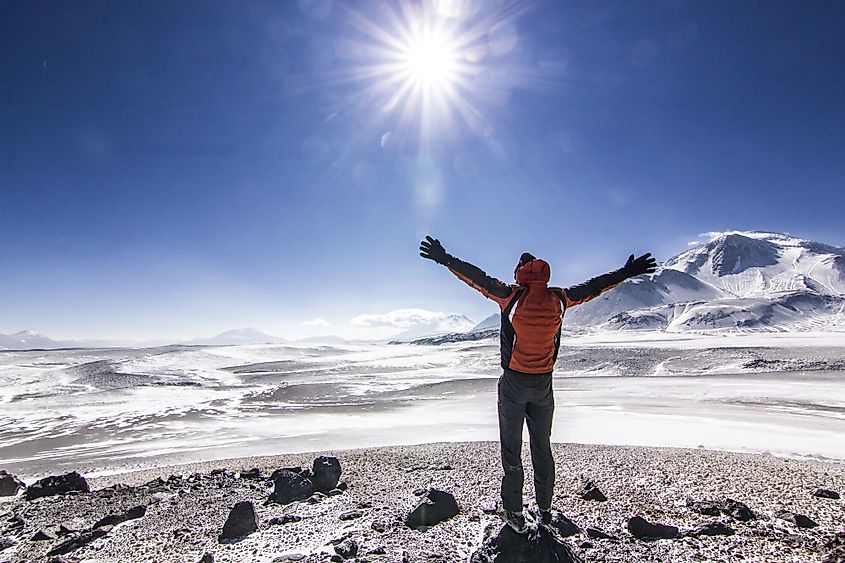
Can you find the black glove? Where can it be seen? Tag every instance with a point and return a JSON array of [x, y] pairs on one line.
[[432, 249], [645, 264]]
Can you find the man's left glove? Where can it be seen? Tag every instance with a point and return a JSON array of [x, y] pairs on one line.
[[645, 264], [432, 249]]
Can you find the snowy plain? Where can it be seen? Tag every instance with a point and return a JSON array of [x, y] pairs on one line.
[[105, 411]]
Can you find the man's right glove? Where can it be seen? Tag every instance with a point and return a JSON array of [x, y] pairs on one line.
[[645, 264], [432, 249]]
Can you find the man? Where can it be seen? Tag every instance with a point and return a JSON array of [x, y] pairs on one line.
[[532, 315]]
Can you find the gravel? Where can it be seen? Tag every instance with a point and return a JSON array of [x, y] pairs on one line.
[[188, 505]]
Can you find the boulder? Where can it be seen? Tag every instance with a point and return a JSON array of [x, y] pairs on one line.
[[9, 484], [6, 543], [253, 473], [206, 558], [798, 519], [347, 549], [41, 535], [115, 519], [434, 507], [599, 534], [351, 514], [563, 525], [82, 539], [729, 507], [589, 491], [57, 485], [642, 529], [326, 473], [826, 493], [242, 520], [705, 507], [507, 546], [289, 486], [712, 529], [284, 519], [737, 510]]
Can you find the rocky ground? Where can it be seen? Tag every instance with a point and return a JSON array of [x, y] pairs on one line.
[[758, 508]]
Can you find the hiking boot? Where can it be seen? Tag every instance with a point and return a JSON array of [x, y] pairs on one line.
[[515, 520], [546, 519]]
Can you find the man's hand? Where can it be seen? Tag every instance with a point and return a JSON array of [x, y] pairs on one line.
[[432, 249], [645, 264]]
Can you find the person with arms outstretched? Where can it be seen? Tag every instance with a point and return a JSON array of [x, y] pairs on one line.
[[532, 316]]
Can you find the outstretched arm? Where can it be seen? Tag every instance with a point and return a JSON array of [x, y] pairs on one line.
[[594, 287], [473, 276]]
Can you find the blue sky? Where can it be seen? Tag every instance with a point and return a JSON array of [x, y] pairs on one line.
[[178, 169]]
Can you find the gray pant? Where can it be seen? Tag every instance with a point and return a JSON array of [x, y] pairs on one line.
[[526, 397]]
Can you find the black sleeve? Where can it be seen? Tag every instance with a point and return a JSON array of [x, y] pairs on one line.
[[477, 278], [593, 287]]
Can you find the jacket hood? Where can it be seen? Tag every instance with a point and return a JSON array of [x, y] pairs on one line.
[[535, 271]]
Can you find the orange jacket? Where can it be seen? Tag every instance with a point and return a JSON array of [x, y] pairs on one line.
[[532, 312]]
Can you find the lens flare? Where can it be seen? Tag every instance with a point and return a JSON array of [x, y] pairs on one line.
[[426, 72]]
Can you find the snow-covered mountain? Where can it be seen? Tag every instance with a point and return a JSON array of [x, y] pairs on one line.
[[443, 325], [759, 264], [494, 321], [739, 281], [27, 340], [237, 336]]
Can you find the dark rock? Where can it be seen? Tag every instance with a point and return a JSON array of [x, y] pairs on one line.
[[599, 534], [712, 529], [419, 492], [82, 539], [737, 510], [242, 520], [589, 491], [326, 471], [65, 531], [115, 519], [798, 519], [215, 473], [705, 507], [284, 519], [15, 523], [207, 558], [351, 514], [57, 485], [365, 504], [253, 473], [342, 486], [434, 507], [507, 546], [289, 486], [336, 558], [586, 545], [641, 529], [315, 498], [564, 526], [335, 492], [9, 484], [41, 535], [826, 493], [380, 550], [347, 548], [6, 543]]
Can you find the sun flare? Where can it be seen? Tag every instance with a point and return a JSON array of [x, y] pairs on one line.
[[433, 69], [431, 62]]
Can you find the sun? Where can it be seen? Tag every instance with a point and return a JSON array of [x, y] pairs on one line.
[[431, 62], [430, 72]]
